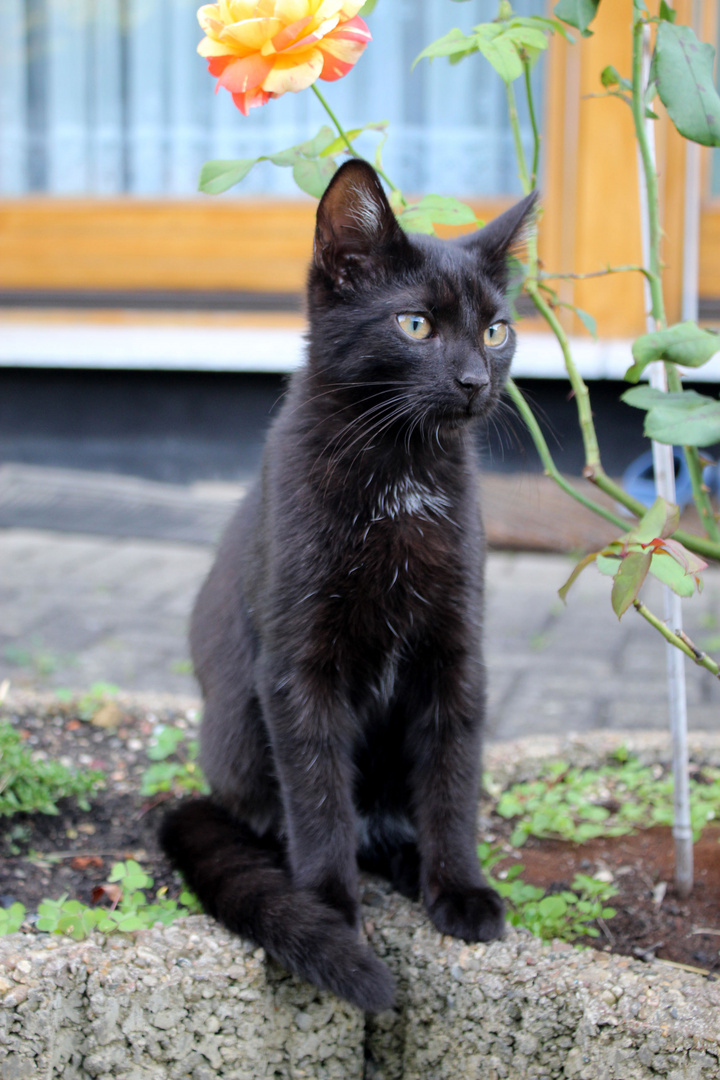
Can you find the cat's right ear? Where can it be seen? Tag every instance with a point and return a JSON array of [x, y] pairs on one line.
[[355, 225]]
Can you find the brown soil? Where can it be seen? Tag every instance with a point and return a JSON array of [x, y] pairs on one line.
[[651, 920], [44, 856]]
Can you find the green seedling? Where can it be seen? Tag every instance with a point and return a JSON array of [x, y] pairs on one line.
[[621, 797], [12, 918], [179, 776], [567, 915], [90, 703], [29, 785], [131, 909]]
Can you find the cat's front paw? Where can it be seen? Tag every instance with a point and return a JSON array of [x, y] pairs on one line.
[[473, 914]]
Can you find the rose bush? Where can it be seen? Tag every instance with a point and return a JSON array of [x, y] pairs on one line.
[[260, 50]]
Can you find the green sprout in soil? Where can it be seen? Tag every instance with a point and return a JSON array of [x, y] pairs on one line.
[[567, 915], [29, 784], [569, 803], [130, 908], [176, 769]]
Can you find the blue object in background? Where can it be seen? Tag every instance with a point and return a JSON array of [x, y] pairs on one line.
[[711, 478], [639, 479]]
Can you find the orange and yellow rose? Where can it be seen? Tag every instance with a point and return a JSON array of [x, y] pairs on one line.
[[258, 49]]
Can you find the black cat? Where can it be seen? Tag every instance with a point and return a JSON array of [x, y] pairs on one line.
[[337, 638]]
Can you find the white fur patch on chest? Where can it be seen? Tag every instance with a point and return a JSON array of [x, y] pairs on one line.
[[410, 496]]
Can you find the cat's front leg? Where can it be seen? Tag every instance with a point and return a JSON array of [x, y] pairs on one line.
[[445, 782], [310, 731]]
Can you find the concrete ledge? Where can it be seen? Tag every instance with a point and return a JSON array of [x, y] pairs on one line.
[[192, 1002]]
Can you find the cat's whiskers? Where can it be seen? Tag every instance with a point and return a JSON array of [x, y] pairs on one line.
[[387, 411], [381, 425]]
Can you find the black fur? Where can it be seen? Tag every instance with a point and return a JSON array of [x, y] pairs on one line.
[[337, 638]]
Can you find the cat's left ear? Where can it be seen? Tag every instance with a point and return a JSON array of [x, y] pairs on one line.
[[355, 224], [501, 237]]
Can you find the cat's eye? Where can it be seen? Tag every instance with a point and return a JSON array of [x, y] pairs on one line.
[[496, 335], [415, 326]]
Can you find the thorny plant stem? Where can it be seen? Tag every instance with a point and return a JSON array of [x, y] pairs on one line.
[[533, 124], [542, 276], [593, 471], [680, 641], [517, 138], [351, 149], [654, 278], [551, 468]]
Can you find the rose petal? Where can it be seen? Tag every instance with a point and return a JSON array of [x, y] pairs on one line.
[[342, 49], [245, 73], [217, 64], [250, 99], [289, 34], [291, 11], [353, 30], [208, 47], [251, 34], [237, 10], [327, 9], [290, 75], [209, 18]]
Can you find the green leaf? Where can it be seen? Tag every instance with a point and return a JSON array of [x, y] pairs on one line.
[[165, 742], [667, 12], [628, 580], [683, 419], [311, 148], [11, 918], [500, 51], [587, 320], [670, 572], [682, 66], [610, 76], [338, 145], [314, 175], [684, 343], [577, 570], [451, 44], [577, 13], [367, 8], [436, 209], [661, 520], [698, 426], [218, 176]]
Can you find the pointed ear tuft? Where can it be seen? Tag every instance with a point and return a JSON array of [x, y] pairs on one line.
[[354, 222], [502, 237]]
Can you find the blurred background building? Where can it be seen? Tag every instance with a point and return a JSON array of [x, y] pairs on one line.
[[146, 329]]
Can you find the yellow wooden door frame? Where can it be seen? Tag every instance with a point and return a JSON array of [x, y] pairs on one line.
[[590, 218]]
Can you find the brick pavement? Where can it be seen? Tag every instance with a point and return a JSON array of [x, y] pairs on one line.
[[80, 608]]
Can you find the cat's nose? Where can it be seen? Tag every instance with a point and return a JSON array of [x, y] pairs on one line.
[[473, 383]]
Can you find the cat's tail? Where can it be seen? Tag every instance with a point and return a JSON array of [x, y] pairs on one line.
[[241, 882]]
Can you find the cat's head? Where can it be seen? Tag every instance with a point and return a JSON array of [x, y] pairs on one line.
[[426, 318]]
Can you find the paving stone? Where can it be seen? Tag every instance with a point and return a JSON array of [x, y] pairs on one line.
[[78, 609]]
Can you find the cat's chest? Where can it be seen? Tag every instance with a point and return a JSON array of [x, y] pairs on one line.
[[400, 554]]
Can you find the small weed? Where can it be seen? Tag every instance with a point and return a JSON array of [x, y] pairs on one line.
[[574, 804], [567, 915], [130, 908], [93, 699], [28, 785], [12, 918], [179, 776]]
